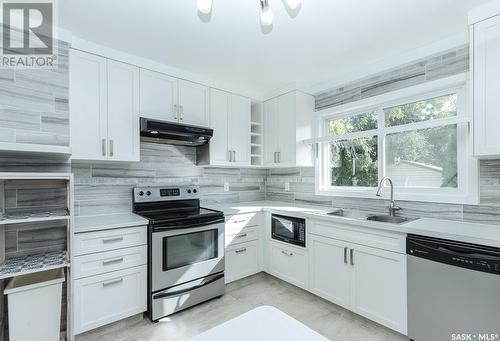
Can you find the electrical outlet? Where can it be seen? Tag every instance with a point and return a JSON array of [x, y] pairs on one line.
[[287, 187], [226, 186]]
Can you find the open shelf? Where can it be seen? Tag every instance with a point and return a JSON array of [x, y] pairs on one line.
[[33, 263], [34, 217]]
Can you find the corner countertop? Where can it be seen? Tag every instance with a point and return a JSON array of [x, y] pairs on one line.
[[107, 222], [476, 233]]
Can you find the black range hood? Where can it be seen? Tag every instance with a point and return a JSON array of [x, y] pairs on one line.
[[174, 133]]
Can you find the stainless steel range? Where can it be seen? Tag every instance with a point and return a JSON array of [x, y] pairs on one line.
[[185, 247]]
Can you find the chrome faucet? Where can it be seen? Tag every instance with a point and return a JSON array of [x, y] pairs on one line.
[[392, 206]]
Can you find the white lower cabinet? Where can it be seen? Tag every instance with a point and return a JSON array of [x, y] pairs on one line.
[[330, 270], [289, 264], [369, 281], [242, 260], [379, 286], [106, 298]]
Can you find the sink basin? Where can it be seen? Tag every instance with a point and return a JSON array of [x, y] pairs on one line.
[[388, 219], [353, 214]]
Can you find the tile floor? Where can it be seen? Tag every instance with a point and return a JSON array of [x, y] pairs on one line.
[[328, 319]]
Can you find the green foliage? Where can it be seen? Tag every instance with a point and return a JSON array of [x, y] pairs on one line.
[[355, 162]]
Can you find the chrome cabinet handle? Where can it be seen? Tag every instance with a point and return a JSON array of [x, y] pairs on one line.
[[279, 157], [112, 261], [241, 250], [103, 142], [234, 155], [176, 110], [182, 112], [352, 256], [111, 149], [345, 255], [112, 240], [229, 156], [113, 281], [274, 157], [286, 253], [242, 235]]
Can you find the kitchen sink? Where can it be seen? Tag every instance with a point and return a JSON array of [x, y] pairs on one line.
[[388, 219], [353, 214], [360, 215]]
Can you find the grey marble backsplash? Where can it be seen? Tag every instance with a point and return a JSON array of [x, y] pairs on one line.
[[34, 105], [107, 187], [441, 65], [301, 181]]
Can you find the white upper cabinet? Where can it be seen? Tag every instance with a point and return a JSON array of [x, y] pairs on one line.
[[486, 70], [230, 120], [288, 120], [88, 106], [123, 110], [239, 128], [171, 99], [193, 103], [219, 122], [158, 96], [104, 107]]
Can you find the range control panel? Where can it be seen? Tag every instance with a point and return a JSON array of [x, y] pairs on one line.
[[151, 194]]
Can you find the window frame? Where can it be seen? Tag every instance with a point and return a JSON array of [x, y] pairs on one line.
[[466, 192]]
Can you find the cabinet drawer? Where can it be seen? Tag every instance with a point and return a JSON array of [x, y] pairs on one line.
[[289, 264], [390, 241], [102, 299], [90, 242], [237, 223], [242, 261], [244, 236], [103, 262]]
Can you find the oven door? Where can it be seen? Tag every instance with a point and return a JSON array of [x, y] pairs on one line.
[[182, 255]]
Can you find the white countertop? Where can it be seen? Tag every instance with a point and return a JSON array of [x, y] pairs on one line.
[[447, 229], [107, 222]]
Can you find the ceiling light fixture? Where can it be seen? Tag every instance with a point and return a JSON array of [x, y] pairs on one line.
[[266, 15], [205, 6], [294, 4]]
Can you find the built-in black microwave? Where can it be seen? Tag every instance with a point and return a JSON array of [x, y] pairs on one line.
[[288, 229]]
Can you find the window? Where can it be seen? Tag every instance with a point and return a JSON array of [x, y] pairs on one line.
[[420, 141]]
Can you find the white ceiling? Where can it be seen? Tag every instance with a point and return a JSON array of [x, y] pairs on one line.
[[325, 39]]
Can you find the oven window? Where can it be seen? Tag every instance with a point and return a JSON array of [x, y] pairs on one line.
[[190, 248]]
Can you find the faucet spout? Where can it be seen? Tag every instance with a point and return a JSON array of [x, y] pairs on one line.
[[392, 206]]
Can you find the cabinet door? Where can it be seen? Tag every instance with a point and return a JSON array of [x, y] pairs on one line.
[[330, 270], [123, 112], [88, 111], [287, 127], [289, 264], [103, 299], [379, 286], [241, 261], [158, 96], [271, 131], [239, 129], [487, 87], [219, 113], [193, 103]]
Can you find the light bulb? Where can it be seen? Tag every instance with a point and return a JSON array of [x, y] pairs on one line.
[[294, 4], [205, 6], [266, 17]]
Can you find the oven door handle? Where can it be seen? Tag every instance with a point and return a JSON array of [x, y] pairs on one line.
[[187, 226], [182, 291]]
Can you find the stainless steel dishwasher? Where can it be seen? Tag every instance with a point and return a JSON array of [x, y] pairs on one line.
[[453, 290]]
